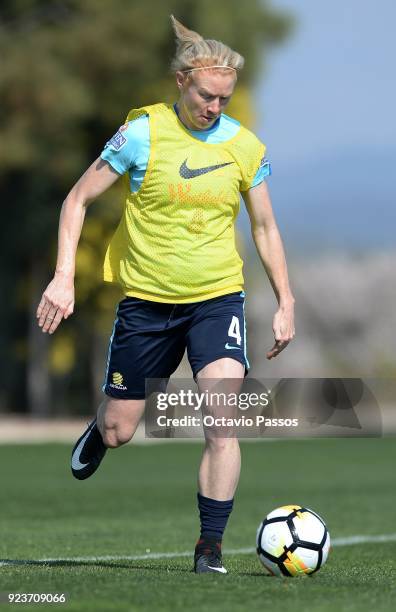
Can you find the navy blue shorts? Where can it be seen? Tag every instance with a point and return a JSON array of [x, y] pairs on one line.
[[149, 340]]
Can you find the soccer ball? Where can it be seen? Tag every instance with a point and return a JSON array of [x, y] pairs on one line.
[[292, 541]]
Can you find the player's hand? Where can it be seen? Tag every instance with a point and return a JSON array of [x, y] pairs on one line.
[[283, 327], [57, 303]]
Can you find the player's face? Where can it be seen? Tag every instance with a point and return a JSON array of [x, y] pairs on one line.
[[204, 94]]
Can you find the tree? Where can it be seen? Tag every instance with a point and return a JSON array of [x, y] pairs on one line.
[[71, 71]]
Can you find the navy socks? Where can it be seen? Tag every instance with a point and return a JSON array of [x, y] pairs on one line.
[[214, 516]]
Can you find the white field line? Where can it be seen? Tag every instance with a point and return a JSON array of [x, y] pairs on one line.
[[348, 541]]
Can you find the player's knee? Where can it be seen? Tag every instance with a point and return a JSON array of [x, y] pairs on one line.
[[219, 445], [113, 437]]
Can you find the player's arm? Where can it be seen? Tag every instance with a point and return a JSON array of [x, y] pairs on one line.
[[57, 301], [270, 249]]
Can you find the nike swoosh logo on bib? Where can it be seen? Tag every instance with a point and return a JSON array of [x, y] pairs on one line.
[[76, 463], [188, 173]]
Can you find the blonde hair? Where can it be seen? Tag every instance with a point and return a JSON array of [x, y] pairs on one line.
[[193, 52]]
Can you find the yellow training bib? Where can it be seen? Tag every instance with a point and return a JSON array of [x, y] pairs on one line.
[[176, 240]]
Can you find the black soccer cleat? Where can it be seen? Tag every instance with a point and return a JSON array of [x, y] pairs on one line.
[[87, 453], [207, 557]]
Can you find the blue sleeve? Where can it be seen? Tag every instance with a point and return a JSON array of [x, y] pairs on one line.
[[263, 171], [122, 150]]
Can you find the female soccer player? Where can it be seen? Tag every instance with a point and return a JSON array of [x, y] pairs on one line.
[[174, 255]]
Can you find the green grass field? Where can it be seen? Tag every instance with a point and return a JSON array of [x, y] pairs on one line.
[[143, 499]]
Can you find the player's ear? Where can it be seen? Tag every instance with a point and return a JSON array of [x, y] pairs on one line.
[[180, 79]]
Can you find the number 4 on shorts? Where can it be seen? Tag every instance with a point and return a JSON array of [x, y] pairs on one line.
[[234, 331]]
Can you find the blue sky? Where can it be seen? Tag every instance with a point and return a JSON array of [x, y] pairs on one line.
[[332, 84], [326, 110]]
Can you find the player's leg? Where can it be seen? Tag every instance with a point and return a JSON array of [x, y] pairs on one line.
[[115, 423], [221, 461], [219, 469], [217, 353], [142, 346], [124, 392], [117, 420]]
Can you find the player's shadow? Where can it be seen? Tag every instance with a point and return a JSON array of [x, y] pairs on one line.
[[102, 564], [115, 565]]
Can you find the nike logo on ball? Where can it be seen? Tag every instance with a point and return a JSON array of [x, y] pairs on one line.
[[189, 173]]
